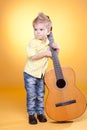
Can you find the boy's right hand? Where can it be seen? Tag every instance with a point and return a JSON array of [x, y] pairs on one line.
[[48, 53]]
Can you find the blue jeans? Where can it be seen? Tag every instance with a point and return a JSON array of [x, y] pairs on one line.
[[35, 94]]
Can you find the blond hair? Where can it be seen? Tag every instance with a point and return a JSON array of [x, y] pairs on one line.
[[42, 18]]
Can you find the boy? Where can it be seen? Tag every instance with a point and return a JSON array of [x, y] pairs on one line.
[[38, 53]]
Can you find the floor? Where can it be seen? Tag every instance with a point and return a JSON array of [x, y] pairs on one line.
[[13, 115]]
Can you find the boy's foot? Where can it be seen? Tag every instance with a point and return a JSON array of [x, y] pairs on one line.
[[41, 118], [32, 119]]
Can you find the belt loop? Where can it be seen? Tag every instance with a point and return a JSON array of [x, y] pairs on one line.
[[42, 76]]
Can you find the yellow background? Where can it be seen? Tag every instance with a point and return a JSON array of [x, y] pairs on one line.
[[69, 18]]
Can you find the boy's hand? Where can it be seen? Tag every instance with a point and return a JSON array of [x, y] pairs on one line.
[[48, 53], [55, 47]]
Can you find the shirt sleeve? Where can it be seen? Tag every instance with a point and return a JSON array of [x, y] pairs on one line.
[[31, 49]]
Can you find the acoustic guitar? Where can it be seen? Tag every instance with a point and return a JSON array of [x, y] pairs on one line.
[[64, 101]]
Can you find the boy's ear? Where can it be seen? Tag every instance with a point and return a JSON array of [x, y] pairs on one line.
[[48, 32]]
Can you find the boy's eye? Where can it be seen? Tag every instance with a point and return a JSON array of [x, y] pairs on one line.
[[35, 29], [41, 29]]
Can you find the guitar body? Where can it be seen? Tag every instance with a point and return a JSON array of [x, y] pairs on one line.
[[63, 103]]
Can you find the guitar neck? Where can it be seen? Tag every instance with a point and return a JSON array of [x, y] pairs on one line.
[[56, 63]]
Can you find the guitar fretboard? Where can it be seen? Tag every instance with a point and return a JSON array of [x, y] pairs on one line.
[[56, 63]]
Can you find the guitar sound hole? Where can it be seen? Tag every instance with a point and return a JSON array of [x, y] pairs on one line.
[[60, 83]]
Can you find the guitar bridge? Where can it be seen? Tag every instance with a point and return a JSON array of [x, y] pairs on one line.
[[65, 103]]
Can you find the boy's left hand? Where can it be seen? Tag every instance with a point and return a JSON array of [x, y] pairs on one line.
[[55, 47]]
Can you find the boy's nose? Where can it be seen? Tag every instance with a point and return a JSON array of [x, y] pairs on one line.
[[38, 31]]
